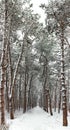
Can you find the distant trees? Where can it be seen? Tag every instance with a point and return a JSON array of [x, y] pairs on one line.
[[44, 48]]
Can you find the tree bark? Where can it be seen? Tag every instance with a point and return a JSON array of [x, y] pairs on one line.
[[55, 97], [45, 86], [47, 102], [29, 92], [20, 91], [50, 105], [64, 103], [59, 101], [25, 100], [4, 65]]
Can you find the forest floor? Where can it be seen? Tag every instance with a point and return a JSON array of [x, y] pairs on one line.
[[37, 119]]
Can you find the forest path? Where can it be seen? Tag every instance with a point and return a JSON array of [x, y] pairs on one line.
[[38, 119]]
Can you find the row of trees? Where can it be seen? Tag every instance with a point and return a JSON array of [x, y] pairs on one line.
[[59, 13], [35, 59]]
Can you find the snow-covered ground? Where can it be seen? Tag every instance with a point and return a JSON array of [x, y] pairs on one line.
[[38, 119]]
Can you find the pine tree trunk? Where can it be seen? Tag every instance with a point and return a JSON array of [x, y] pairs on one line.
[[29, 92], [64, 103], [4, 65], [2, 105], [20, 91], [7, 98], [59, 100], [25, 94], [50, 105], [46, 102], [68, 91], [12, 105], [45, 86], [55, 100], [55, 97], [47, 97]]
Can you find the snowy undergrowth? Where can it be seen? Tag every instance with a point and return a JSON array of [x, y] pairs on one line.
[[38, 119]]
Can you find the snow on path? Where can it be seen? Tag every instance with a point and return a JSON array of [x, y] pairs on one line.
[[38, 119]]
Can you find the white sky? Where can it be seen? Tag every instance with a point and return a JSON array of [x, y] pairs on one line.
[[37, 9]]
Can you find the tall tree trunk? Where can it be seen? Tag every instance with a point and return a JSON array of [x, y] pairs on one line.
[[25, 100], [64, 103], [68, 89], [59, 100], [45, 86], [47, 98], [44, 96], [4, 65], [6, 95], [20, 91], [10, 76], [29, 92], [55, 97], [50, 105]]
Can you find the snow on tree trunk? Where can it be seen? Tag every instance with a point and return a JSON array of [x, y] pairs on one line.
[[64, 102], [4, 65]]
